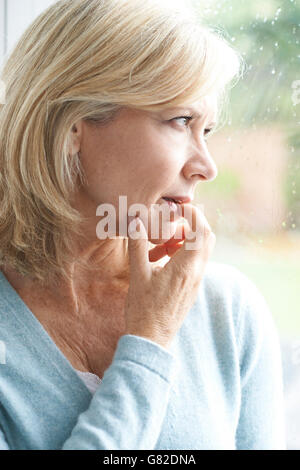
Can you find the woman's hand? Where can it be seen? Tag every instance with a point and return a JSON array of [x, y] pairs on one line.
[[170, 247], [159, 299]]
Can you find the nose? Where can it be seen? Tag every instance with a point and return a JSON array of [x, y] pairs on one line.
[[200, 165]]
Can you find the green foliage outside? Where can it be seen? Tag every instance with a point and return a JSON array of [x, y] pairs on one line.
[[226, 186], [277, 278]]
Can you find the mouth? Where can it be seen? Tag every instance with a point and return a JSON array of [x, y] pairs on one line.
[[174, 203], [178, 199]]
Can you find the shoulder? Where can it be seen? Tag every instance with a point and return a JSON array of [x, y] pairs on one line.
[[246, 346], [234, 300], [227, 288], [226, 283], [221, 278]]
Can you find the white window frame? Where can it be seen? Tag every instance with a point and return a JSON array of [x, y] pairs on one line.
[[15, 17], [3, 29]]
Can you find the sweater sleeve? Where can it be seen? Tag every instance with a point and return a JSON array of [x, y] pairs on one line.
[[3, 442], [261, 423], [128, 408]]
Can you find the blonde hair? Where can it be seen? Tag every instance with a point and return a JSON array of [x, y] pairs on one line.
[[86, 59]]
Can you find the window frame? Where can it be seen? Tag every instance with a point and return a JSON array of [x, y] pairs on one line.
[[3, 29]]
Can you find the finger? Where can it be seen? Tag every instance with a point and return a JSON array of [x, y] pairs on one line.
[[179, 234], [171, 250], [196, 237], [157, 253], [162, 250], [138, 246]]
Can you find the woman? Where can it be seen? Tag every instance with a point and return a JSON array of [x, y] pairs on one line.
[[107, 345]]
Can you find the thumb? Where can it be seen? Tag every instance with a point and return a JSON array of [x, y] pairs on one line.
[[137, 246]]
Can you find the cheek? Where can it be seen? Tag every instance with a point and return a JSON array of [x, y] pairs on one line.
[[165, 173], [157, 149]]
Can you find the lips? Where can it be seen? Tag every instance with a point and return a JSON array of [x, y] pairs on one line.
[[178, 199]]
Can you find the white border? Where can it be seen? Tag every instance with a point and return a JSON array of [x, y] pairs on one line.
[[3, 29]]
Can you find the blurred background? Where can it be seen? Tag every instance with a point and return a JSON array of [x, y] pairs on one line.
[[253, 206]]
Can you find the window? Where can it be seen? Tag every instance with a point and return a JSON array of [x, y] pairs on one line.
[[2, 29], [15, 17]]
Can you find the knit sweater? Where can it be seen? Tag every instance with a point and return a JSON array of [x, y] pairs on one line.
[[218, 386]]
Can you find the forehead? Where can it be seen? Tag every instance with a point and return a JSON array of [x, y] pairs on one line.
[[206, 106]]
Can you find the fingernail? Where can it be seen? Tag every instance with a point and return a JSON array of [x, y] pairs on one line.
[[133, 224]]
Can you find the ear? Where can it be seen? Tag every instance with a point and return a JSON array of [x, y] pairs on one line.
[[75, 138]]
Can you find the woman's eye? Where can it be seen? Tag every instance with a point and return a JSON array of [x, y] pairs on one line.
[[207, 131], [188, 118]]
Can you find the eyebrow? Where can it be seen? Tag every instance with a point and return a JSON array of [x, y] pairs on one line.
[[192, 111]]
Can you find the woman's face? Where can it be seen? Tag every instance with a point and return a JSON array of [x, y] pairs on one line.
[[144, 156]]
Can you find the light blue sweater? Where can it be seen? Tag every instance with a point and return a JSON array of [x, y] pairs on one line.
[[219, 386]]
